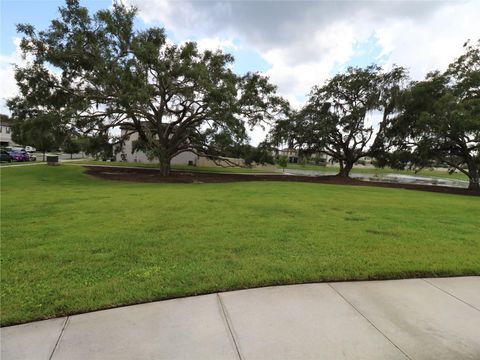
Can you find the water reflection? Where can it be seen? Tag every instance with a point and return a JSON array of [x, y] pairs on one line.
[[388, 177]]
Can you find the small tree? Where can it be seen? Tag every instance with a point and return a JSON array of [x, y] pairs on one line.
[[282, 161], [42, 132], [225, 146], [99, 147], [258, 155], [71, 146]]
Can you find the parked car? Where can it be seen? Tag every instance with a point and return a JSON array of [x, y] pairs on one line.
[[32, 156], [5, 156], [30, 149], [19, 155]]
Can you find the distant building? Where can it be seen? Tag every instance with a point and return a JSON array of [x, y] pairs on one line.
[[291, 154], [320, 158], [366, 161], [294, 157], [125, 153], [6, 134]]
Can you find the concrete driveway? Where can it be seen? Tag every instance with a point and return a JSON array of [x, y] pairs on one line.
[[398, 319]]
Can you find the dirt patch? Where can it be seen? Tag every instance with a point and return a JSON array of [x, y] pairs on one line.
[[191, 177]]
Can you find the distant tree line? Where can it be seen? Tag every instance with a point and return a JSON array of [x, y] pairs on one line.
[[45, 135], [93, 73]]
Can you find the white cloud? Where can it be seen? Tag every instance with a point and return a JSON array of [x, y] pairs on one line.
[[8, 86], [216, 43], [297, 67], [433, 43], [305, 41]]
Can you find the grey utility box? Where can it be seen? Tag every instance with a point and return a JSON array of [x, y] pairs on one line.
[[52, 160]]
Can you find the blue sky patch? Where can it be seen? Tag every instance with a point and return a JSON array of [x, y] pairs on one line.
[[37, 13]]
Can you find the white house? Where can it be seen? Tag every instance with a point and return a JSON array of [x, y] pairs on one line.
[[125, 154], [5, 134], [291, 154]]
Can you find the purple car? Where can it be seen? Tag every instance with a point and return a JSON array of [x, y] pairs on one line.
[[19, 156]]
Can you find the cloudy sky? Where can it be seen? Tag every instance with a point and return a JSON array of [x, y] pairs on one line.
[[298, 44]]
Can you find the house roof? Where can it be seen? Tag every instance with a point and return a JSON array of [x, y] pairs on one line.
[[6, 123]]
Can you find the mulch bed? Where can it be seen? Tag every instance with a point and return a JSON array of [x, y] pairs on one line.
[[186, 177]]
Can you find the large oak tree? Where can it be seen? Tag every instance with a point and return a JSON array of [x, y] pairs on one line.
[[335, 119], [439, 120], [97, 73]]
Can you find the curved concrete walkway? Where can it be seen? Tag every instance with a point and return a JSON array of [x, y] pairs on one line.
[[399, 319]]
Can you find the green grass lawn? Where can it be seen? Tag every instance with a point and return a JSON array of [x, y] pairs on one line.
[[72, 243], [379, 171]]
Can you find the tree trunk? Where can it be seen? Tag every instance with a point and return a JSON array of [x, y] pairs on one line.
[[71, 156], [44, 156], [473, 176], [165, 167], [345, 169], [474, 184], [164, 159]]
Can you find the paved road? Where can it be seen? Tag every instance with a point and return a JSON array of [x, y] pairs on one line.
[[399, 319], [17, 164]]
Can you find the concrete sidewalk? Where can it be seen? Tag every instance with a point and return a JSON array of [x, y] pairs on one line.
[[399, 319]]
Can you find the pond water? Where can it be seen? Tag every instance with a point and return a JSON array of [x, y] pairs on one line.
[[390, 177]]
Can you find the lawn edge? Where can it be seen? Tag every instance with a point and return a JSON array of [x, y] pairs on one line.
[[379, 277]]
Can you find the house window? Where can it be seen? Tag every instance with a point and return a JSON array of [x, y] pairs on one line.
[[1, 127], [7, 129]]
